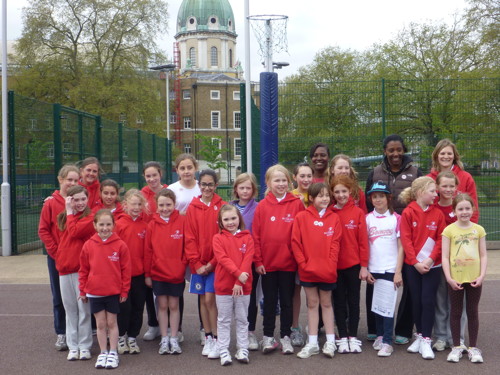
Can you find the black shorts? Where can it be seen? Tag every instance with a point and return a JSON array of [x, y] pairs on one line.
[[109, 303], [322, 286], [162, 288]]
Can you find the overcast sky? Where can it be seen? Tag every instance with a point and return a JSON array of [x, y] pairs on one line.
[[354, 24]]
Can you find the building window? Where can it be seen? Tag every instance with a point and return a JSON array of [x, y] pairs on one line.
[[218, 143], [187, 122], [237, 120], [173, 118], [139, 120], [187, 148], [192, 56], [186, 94], [237, 147], [214, 94], [215, 116], [67, 147], [32, 123], [50, 150], [236, 95], [230, 58], [214, 61]]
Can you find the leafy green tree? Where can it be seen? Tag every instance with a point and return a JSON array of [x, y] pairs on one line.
[[210, 150], [92, 55]]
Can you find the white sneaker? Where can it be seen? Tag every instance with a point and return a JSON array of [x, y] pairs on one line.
[[112, 361], [122, 345], [241, 356], [329, 349], [377, 345], [426, 348], [208, 346], [151, 333], [475, 355], [415, 345], [214, 350], [175, 348], [455, 354], [61, 343], [101, 360], [297, 337], [164, 346], [253, 344], [85, 354], [286, 345], [308, 350], [225, 358], [73, 355], [269, 344], [132, 345], [355, 345], [440, 345], [385, 351], [343, 345]]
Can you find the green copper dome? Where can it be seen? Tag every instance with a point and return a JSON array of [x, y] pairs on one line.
[[205, 15]]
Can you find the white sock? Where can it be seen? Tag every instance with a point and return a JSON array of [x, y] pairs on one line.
[[330, 337], [313, 339]]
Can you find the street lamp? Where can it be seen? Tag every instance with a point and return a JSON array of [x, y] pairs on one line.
[[279, 65], [166, 68]]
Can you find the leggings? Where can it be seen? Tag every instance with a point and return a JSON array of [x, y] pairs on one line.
[[252, 307], [472, 297], [346, 301]]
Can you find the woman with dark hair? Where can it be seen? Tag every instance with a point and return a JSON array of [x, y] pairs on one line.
[[397, 171], [319, 155]]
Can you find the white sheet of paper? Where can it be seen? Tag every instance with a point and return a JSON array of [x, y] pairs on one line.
[[384, 298], [426, 250]]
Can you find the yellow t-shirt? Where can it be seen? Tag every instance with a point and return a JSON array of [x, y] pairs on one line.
[[305, 195], [465, 264]]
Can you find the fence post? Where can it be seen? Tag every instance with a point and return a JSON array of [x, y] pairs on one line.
[[12, 171], [154, 146], [139, 157], [243, 128], [120, 153], [168, 160], [80, 137], [98, 138], [383, 108], [57, 141]]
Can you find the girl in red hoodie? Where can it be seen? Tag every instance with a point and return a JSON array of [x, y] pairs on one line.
[[201, 226], [104, 279], [109, 192], [90, 171], [75, 224], [234, 250], [352, 265], [131, 228], [316, 238], [49, 234], [165, 266], [421, 227], [272, 231]]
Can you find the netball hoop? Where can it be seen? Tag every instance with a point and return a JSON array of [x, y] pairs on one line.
[[270, 31]]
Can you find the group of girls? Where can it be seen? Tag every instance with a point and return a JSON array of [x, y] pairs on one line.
[[317, 236]]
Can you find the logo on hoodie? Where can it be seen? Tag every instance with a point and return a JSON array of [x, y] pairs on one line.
[[177, 235], [288, 218], [329, 232], [351, 224], [432, 226], [243, 248], [142, 234], [114, 257]]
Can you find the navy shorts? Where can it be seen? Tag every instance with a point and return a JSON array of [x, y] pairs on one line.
[[322, 286], [110, 304], [163, 288], [202, 284]]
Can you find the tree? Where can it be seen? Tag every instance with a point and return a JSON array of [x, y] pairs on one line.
[[211, 151], [92, 55]]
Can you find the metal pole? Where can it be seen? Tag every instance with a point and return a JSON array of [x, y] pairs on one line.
[[248, 103], [6, 224], [167, 98], [269, 46]]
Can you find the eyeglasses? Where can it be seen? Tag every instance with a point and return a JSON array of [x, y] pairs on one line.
[[205, 185]]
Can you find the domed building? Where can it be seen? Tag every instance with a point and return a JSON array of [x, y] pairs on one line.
[[207, 87]]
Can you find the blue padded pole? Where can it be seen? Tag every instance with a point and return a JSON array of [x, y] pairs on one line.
[[268, 124]]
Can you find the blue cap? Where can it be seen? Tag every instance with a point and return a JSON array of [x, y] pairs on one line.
[[379, 187]]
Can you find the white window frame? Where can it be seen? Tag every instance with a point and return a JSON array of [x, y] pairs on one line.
[[187, 148], [215, 115], [186, 94], [187, 122], [237, 155], [214, 56], [192, 56], [215, 94], [50, 150], [236, 95], [219, 141], [236, 122]]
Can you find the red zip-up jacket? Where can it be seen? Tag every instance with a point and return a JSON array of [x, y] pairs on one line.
[[71, 242], [133, 233], [316, 244], [272, 232], [466, 185], [417, 226], [117, 212], [234, 255], [164, 257], [104, 267], [150, 196], [48, 231], [93, 190], [201, 226], [354, 243]]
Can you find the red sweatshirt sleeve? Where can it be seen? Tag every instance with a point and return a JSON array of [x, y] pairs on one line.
[[297, 248], [45, 230], [80, 228], [148, 251], [441, 224], [83, 272], [362, 201], [256, 232], [471, 189], [246, 263], [191, 246], [364, 250], [223, 258], [335, 244], [126, 269], [406, 239]]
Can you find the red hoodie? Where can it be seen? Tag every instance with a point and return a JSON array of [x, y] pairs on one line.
[[315, 245], [419, 226], [164, 258], [201, 226], [150, 196], [117, 211], [272, 232], [93, 189], [71, 242], [466, 185], [234, 255], [104, 267], [47, 227], [133, 233], [354, 248]]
